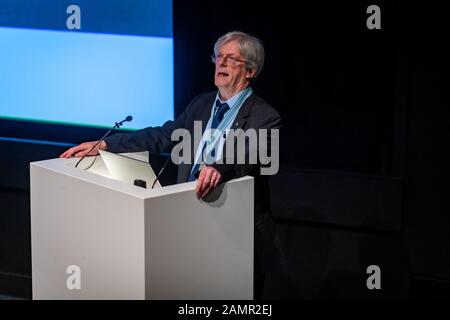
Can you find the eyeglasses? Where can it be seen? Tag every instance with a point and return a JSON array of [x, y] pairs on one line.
[[231, 59]]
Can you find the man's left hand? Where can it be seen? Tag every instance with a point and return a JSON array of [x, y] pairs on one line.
[[208, 179]]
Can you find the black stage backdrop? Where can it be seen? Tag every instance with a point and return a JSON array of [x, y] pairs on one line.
[[364, 149]]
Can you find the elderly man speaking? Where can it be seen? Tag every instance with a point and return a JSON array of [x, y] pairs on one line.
[[238, 59]]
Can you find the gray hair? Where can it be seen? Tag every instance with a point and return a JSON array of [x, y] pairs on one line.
[[251, 49]]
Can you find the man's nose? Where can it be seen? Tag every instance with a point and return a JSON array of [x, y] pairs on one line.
[[223, 61]]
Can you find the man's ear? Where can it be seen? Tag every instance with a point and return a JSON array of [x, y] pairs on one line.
[[251, 73]]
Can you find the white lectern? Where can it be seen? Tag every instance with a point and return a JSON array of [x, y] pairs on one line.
[[98, 238]]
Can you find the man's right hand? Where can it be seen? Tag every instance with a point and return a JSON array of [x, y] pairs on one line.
[[82, 149]]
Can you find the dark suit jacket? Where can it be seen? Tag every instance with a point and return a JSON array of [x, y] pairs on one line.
[[255, 113]]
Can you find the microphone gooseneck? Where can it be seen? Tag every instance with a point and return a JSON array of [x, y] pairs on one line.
[[160, 171], [116, 126]]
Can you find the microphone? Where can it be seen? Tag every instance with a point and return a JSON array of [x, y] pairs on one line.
[[127, 119], [117, 125]]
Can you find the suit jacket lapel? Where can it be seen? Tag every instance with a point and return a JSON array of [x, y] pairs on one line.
[[203, 117], [244, 113], [241, 118]]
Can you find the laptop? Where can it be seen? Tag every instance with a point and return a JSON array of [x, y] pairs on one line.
[[128, 169]]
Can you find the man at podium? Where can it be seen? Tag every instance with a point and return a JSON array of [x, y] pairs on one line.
[[238, 59]]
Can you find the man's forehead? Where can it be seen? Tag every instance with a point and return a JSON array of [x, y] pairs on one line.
[[231, 46]]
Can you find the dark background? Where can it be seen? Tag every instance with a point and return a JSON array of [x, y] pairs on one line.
[[364, 148]]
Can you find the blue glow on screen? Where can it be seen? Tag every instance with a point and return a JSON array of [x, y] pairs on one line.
[[85, 78]]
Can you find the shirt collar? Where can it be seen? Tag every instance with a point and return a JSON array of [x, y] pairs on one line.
[[232, 101]]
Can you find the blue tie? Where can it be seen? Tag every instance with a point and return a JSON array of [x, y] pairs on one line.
[[220, 110]]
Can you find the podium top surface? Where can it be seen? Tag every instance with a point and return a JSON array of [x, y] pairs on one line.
[[98, 175]]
